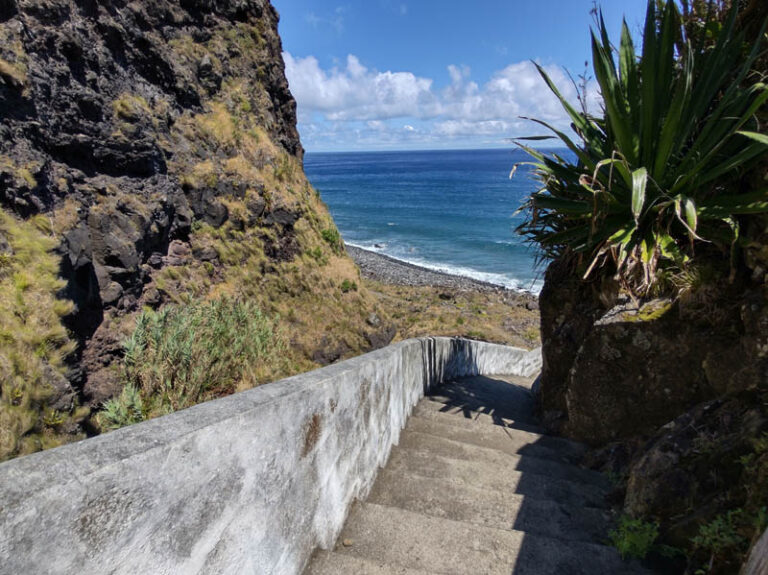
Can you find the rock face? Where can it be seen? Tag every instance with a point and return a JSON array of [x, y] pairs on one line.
[[708, 466], [615, 370], [673, 474], [96, 99], [159, 139], [674, 395], [568, 309]]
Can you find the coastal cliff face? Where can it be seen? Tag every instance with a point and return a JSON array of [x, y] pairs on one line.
[[153, 144], [117, 120]]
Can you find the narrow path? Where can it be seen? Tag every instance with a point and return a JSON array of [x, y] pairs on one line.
[[476, 487]]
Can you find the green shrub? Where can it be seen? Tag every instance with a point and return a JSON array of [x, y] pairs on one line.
[[721, 539], [347, 286], [126, 409], [634, 537], [332, 238], [317, 254], [182, 355], [285, 168], [650, 180]]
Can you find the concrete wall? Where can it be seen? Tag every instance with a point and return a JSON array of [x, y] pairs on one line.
[[249, 483]]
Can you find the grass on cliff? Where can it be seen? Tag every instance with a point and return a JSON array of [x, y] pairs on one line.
[[182, 355], [33, 341], [295, 270]]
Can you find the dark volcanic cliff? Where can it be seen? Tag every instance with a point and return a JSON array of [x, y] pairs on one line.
[[103, 99], [158, 139]]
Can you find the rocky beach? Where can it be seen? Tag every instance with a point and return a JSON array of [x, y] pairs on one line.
[[385, 269]]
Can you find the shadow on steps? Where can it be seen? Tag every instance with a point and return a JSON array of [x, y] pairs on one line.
[[505, 403], [475, 487]]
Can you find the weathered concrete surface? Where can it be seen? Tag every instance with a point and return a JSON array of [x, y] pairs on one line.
[[757, 564], [456, 497], [250, 483]]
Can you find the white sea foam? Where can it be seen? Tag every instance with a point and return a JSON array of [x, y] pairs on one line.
[[504, 280]]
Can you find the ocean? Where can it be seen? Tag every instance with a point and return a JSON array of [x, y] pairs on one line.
[[451, 211]]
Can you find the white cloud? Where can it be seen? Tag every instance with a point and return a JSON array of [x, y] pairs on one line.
[[354, 92], [335, 20], [353, 101], [394, 7]]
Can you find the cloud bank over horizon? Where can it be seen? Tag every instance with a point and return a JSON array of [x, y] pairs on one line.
[[353, 107]]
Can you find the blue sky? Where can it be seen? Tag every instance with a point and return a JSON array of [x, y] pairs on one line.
[[428, 74]]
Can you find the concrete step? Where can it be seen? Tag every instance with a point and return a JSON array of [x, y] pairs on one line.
[[500, 509], [329, 563], [481, 456], [478, 394], [401, 538], [494, 477], [432, 408], [508, 440], [500, 391], [491, 384]]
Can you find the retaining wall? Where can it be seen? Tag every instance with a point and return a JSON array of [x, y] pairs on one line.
[[249, 483]]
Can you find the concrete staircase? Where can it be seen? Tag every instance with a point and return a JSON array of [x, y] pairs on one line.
[[475, 487]]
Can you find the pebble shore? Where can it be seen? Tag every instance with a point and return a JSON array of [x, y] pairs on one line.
[[385, 269]]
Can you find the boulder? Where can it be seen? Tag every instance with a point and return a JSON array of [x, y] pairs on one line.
[[614, 369], [568, 308]]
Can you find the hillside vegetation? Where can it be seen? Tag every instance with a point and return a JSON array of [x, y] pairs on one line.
[[34, 404]]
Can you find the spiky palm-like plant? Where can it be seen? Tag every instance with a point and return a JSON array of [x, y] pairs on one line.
[[651, 175]]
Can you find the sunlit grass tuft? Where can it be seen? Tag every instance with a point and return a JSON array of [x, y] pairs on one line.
[[33, 341]]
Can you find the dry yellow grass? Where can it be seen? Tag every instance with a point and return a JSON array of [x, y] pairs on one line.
[[33, 341], [489, 316], [13, 73]]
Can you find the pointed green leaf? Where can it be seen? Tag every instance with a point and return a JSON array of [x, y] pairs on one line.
[[585, 159], [690, 213], [639, 184], [739, 204], [669, 248], [535, 138], [762, 138], [561, 205], [578, 119]]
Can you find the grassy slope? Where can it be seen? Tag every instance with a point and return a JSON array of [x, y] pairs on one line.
[[33, 343], [489, 316]]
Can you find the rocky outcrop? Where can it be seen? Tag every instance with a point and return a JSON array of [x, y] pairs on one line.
[[568, 309], [618, 371], [671, 392], [673, 474], [98, 106], [708, 467]]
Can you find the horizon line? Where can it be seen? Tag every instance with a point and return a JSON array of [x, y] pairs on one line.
[[481, 149]]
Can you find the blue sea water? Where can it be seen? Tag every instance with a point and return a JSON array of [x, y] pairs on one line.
[[452, 211]]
